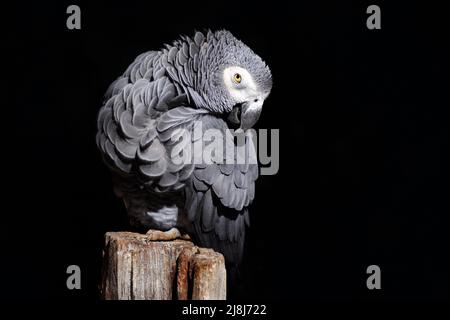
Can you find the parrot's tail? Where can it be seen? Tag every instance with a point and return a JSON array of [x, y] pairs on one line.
[[232, 247]]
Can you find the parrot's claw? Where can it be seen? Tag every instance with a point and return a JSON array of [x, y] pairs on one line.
[[172, 234]]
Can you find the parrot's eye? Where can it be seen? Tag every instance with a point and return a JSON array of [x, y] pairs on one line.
[[237, 78]]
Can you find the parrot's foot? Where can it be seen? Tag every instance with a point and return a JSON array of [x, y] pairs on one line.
[[172, 234]]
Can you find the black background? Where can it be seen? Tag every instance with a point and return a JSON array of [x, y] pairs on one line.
[[364, 129]]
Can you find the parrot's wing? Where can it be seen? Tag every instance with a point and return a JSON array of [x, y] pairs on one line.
[[217, 197], [136, 105]]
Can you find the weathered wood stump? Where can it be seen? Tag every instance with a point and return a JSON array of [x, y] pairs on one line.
[[136, 268]]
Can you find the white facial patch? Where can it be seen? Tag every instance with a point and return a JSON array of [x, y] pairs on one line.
[[245, 90]]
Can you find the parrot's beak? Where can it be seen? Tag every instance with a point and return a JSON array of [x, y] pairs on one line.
[[246, 114]]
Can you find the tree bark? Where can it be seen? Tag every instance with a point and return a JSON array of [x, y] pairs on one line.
[[135, 268]]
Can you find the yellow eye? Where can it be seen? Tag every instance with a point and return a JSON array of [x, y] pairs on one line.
[[237, 78]]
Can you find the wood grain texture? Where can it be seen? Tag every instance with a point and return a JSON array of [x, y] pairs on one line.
[[136, 268], [208, 275]]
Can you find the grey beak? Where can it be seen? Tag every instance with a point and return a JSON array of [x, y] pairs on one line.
[[250, 114], [245, 115]]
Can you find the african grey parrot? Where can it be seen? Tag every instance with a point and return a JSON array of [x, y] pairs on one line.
[[214, 79]]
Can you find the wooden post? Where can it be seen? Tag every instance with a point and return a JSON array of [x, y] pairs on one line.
[[136, 268], [201, 271]]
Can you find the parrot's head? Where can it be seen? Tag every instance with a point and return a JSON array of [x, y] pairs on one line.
[[238, 80]]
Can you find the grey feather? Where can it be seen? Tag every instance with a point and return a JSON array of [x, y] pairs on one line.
[[168, 179], [200, 185], [148, 137], [155, 169], [209, 212], [209, 174], [198, 38], [153, 153], [126, 148], [186, 172], [127, 127]]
